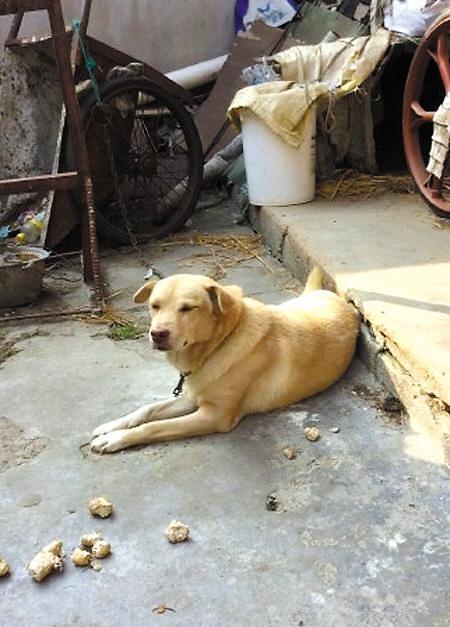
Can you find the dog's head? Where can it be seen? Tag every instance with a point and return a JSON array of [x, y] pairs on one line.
[[186, 309]]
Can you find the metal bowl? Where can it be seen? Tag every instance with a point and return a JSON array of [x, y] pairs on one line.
[[21, 273]]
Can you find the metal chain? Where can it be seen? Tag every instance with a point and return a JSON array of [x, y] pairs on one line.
[[90, 65], [150, 271]]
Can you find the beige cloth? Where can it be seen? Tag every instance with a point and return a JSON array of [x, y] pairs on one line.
[[309, 73], [440, 139]]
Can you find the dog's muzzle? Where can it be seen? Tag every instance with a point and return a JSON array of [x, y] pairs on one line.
[[160, 339]]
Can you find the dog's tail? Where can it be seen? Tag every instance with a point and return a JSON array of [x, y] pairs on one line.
[[314, 280]]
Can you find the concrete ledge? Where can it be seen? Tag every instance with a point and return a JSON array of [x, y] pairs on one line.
[[388, 256]]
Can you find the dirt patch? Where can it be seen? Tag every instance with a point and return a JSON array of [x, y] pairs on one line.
[[272, 502], [385, 402], [8, 346], [15, 448]]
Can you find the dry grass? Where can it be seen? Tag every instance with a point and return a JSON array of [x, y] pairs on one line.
[[249, 244], [108, 316], [223, 251], [353, 184]]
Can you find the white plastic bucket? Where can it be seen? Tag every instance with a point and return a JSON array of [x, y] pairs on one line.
[[277, 173]]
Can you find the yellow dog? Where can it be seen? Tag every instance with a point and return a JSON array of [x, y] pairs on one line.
[[235, 356]]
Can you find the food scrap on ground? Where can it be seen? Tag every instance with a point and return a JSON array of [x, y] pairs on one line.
[[95, 565], [89, 539], [290, 452], [312, 434], [93, 547], [177, 532], [48, 559], [101, 507], [4, 568], [81, 557], [101, 549]]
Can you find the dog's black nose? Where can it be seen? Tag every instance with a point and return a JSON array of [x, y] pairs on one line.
[[159, 336]]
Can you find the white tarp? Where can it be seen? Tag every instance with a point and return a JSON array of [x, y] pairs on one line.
[[310, 74], [440, 139]]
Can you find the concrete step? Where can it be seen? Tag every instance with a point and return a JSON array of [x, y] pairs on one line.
[[390, 257]]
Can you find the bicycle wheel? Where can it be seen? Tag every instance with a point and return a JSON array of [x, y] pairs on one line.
[[146, 160], [427, 83]]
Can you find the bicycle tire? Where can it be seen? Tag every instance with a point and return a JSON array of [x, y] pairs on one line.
[[417, 120], [156, 170]]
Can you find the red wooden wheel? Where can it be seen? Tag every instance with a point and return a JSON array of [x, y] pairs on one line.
[[430, 66]]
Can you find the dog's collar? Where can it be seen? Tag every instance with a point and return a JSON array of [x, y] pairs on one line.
[[179, 386]]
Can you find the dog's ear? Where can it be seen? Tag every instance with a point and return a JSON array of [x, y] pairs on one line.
[[143, 293], [223, 298]]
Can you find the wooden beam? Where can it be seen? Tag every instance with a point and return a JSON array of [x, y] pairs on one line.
[[44, 183]]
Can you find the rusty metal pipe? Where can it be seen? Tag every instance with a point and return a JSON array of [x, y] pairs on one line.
[[93, 245], [15, 26], [85, 14], [47, 314], [91, 266], [75, 55], [68, 88]]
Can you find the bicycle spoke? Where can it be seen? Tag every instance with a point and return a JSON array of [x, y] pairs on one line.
[[420, 115], [144, 147]]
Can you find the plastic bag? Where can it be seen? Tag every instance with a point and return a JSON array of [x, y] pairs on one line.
[[272, 12], [259, 73], [413, 17]]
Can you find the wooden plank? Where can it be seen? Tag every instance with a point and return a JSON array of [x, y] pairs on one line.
[[211, 119], [101, 51], [64, 217], [8, 7], [28, 185]]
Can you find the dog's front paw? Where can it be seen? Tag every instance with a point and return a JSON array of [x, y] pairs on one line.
[[113, 425], [110, 442]]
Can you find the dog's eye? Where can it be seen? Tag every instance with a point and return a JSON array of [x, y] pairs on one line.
[[155, 307], [186, 308]]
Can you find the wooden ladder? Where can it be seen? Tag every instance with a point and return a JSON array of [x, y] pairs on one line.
[[67, 180]]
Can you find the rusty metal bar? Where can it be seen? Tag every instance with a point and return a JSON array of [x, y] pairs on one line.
[[67, 84], [91, 267], [85, 14], [47, 314], [75, 53], [15, 26], [66, 180], [93, 272], [8, 7]]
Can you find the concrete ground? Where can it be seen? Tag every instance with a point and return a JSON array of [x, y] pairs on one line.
[[389, 255], [355, 532]]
